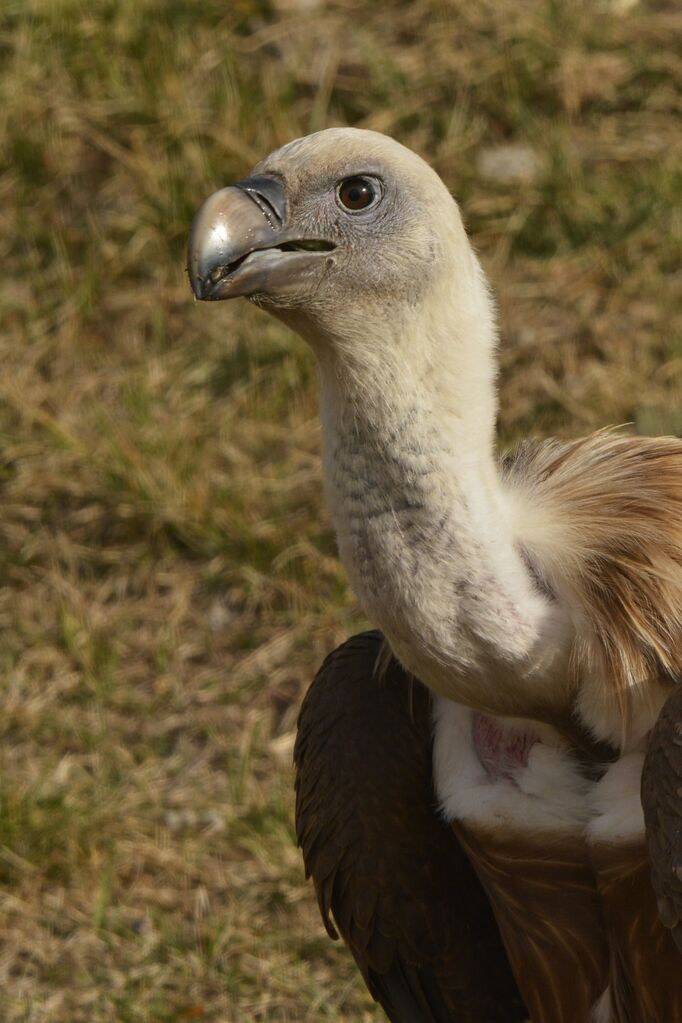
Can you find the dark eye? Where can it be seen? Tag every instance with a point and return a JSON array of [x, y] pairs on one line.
[[357, 193]]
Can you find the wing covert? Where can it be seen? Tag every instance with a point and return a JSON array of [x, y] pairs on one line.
[[390, 875], [662, 804]]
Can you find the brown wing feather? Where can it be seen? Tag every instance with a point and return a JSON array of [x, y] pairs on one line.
[[645, 962], [662, 803], [548, 909], [386, 868]]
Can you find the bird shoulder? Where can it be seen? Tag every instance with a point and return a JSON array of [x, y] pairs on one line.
[[600, 521]]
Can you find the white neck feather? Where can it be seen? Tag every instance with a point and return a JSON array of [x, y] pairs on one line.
[[423, 524]]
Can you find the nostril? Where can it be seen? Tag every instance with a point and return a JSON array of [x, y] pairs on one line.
[[268, 195]]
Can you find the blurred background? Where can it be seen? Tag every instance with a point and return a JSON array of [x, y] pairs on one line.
[[169, 578]]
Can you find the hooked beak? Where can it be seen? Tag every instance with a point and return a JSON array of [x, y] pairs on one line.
[[240, 243]]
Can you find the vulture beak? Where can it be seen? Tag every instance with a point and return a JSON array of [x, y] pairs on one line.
[[241, 243]]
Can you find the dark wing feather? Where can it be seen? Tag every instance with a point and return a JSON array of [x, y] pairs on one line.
[[386, 868], [662, 803]]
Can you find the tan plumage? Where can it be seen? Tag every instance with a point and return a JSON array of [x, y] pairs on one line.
[[540, 602], [644, 969], [605, 528], [545, 938]]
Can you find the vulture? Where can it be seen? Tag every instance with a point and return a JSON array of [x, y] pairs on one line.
[[489, 790]]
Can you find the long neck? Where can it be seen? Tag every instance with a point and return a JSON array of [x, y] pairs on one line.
[[421, 517]]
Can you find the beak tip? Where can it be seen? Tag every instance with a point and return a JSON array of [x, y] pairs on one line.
[[230, 225], [214, 234], [203, 289], [197, 289], [197, 280]]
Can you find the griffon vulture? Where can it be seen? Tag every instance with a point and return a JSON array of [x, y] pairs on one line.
[[539, 599]]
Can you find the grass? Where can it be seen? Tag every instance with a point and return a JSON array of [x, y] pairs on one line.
[[169, 575]]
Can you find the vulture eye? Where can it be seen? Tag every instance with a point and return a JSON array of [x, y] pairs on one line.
[[357, 193]]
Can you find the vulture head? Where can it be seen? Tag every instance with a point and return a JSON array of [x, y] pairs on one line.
[[329, 232]]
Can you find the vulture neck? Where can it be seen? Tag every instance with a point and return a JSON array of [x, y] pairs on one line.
[[423, 524]]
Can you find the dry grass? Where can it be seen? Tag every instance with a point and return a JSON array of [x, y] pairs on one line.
[[169, 578]]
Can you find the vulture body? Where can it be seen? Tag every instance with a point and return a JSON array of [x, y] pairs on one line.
[[398, 883], [540, 600]]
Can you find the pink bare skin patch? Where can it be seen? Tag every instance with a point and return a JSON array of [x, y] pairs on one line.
[[501, 749]]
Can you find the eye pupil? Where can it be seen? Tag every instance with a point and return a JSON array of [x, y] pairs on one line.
[[357, 193]]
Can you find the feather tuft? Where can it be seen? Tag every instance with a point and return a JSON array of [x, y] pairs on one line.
[[602, 525]]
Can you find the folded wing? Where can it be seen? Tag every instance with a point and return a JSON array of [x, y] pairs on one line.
[[662, 803], [389, 874]]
